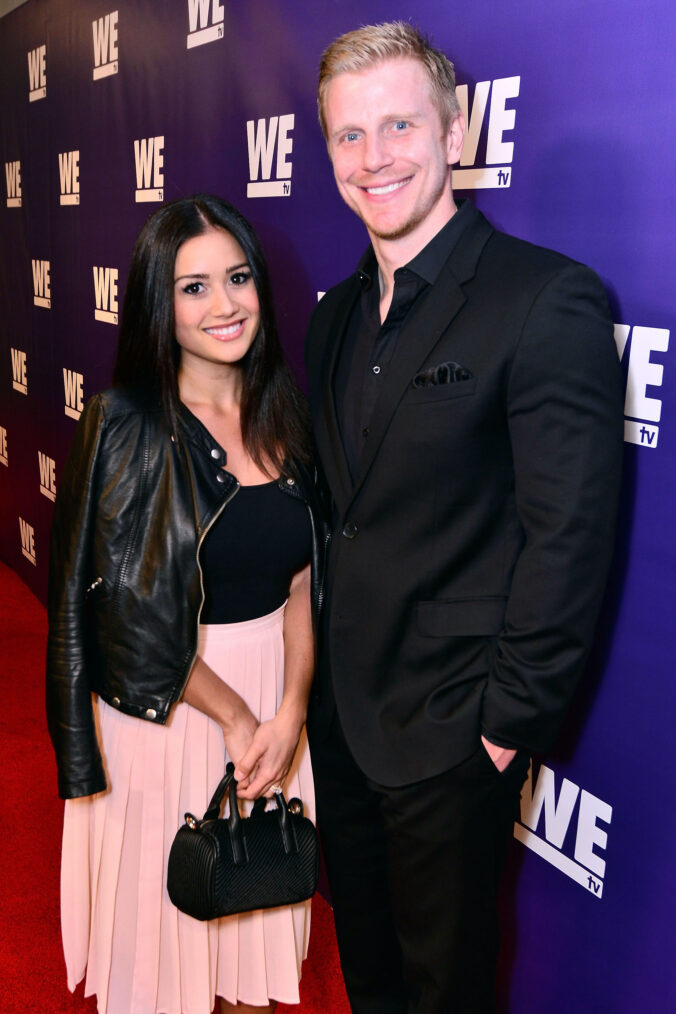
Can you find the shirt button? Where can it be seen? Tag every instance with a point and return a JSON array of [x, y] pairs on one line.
[[376, 369], [215, 453], [350, 530], [151, 713], [220, 477]]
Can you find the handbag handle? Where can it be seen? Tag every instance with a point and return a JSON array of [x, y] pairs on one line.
[[228, 783]]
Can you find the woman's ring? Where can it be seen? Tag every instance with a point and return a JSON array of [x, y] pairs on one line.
[[276, 789]]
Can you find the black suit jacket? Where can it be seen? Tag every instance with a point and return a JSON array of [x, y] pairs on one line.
[[470, 554]]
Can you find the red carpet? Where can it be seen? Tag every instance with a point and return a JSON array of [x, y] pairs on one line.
[[32, 973]]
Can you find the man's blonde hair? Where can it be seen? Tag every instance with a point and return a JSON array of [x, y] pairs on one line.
[[368, 46]]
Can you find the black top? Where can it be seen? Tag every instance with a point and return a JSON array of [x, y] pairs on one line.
[[249, 556], [369, 346]]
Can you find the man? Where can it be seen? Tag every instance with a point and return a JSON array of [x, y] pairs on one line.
[[467, 402]]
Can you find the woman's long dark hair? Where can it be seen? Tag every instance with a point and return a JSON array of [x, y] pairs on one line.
[[274, 416]]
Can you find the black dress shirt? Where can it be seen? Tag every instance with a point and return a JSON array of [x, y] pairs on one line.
[[368, 345]]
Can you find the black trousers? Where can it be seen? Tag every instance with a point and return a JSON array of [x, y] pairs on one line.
[[414, 875]]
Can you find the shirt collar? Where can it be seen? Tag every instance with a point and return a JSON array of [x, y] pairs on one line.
[[428, 263]]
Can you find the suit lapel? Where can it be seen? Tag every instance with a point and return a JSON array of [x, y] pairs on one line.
[[428, 322]]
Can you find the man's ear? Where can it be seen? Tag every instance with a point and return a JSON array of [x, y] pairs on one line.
[[455, 138]]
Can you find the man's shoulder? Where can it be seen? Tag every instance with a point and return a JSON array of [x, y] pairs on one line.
[[527, 258], [334, 297], [330, 307]]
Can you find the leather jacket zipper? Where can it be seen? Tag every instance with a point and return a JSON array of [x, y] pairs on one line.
[[201, 539]]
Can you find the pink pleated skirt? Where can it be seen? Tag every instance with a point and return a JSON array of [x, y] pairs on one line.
[[139, 953]]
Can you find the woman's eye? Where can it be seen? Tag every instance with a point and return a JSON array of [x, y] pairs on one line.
[[240, 277], [193, 288]]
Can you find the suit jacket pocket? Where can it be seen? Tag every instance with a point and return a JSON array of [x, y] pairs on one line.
[[482, 616], [439, 392]]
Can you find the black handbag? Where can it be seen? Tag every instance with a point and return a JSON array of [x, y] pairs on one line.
[[221, 866]]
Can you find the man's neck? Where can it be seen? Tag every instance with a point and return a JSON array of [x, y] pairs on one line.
[[395, 253]]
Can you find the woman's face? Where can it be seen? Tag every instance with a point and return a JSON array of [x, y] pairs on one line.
[[215, 300]]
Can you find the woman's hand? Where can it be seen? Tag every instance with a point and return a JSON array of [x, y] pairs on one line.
[[239, 733], [268, 759], [209, 694]]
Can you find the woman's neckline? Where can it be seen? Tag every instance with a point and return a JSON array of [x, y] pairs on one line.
[[259, 485]]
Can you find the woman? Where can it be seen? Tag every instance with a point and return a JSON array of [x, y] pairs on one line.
[[180, 589]]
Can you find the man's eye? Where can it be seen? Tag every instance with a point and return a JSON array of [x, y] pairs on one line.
[[352, 136], [401, 125]]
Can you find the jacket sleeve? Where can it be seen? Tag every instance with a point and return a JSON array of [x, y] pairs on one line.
[[69, 708], [565, 419]]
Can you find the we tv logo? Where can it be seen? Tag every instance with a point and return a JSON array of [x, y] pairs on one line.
[[642, 412], [493, 170], [4, 459], [27, 533], [205, 20], [104, 32], [571, 824], [264, 136], [69, 177], [73, 384], [13, 178], [42, 292], [47, 468], [37, 73], [19, 375], [149, 159], [105, 293]]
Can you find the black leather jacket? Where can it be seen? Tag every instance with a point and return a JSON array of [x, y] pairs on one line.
[[125, 588]]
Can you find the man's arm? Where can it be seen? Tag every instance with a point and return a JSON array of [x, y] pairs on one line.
[[565, 419]]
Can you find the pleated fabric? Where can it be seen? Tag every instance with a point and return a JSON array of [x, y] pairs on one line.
[[139, 953]]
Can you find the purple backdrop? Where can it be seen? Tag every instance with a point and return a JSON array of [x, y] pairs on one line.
[[109, 108]]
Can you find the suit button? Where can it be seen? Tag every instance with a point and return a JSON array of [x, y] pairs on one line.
[[151, 713], [115, 702], [350, 530]]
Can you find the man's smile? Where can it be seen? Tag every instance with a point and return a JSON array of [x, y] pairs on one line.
[[387, 188]]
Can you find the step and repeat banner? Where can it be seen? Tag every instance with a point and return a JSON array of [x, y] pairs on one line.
[[110, 108]]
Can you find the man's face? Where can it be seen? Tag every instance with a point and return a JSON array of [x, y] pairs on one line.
[[390, 154]]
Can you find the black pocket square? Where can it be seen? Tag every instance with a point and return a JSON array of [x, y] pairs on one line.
[[444, 373]]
